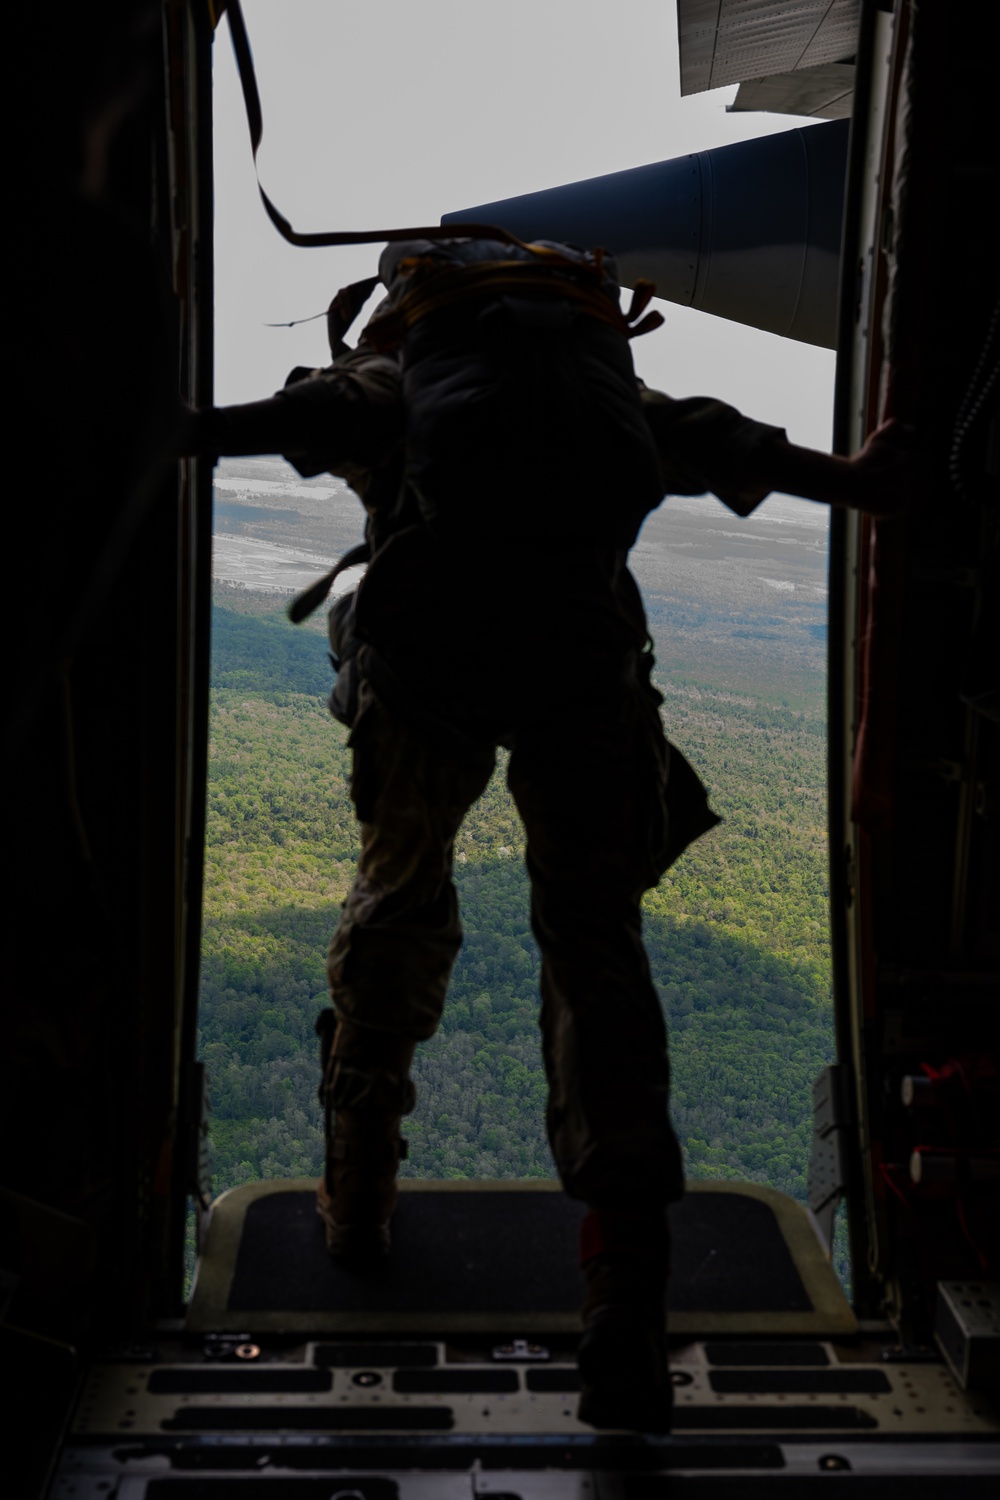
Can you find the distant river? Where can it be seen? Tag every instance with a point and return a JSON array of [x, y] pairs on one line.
[[270, 568]]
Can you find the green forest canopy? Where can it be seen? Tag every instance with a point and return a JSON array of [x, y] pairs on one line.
[[737, 931]]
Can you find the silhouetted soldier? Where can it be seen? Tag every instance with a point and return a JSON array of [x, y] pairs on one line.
[[498, 610]]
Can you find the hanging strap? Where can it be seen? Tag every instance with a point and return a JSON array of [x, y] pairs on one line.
[[643, 292], [303, 605], [255, 120]]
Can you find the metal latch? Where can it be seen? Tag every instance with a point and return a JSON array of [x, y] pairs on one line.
[[520, 1349]]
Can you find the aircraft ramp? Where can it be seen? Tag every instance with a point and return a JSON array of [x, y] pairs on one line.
[[452, 1374], [495, 1257]]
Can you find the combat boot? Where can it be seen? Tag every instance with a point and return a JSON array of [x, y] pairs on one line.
[[622, 1356], [356, 1195], [366, 1090]]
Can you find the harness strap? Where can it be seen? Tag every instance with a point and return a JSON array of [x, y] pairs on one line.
[[444, 288]]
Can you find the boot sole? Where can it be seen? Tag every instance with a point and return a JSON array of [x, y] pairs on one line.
[[624, 1379]]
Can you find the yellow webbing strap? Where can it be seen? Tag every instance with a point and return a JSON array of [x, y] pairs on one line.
[[577, 282]]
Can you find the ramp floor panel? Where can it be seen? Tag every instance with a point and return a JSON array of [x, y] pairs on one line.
[[472, 1257]]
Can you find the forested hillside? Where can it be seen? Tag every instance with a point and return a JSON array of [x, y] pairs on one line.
[[736, 932]]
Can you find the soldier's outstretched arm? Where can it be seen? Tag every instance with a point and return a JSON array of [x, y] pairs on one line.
[[705, 445], [887, 477], [345, 417], [268, 426]]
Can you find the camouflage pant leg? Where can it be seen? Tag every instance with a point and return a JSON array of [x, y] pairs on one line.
[[392, 953], [584, 797]]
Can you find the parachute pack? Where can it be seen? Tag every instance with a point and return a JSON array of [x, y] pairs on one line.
[[524, 424], [523, 417]]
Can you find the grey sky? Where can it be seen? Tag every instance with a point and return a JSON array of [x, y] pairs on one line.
[[395, 112]]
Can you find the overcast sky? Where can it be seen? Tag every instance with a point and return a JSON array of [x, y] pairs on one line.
[[396, 112]]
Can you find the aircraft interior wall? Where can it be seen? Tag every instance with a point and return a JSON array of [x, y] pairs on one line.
[[914, 749], [105, 726]]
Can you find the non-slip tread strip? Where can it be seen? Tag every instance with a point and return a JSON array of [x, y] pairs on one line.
[[311, 1419], [231, 1380]]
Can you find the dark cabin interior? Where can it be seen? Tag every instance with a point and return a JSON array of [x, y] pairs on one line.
[[104, 1141]]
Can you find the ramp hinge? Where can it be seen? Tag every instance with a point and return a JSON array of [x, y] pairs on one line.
[[833, 1116], [195, 1105]]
